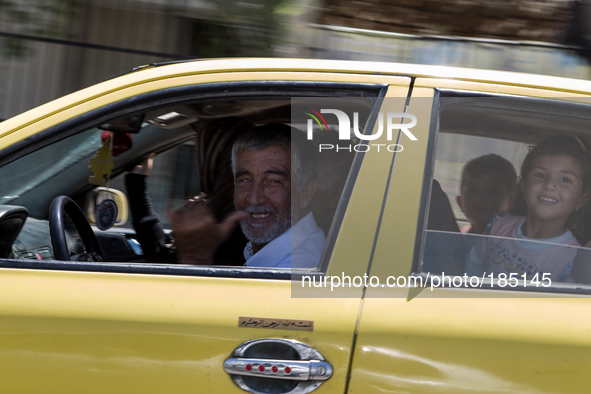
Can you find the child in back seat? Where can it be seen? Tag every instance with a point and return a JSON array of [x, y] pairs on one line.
[[555, 180], [488, 186]]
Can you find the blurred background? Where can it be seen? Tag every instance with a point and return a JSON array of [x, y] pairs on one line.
[[49, 48]]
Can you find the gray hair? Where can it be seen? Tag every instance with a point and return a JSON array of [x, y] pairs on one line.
[[304, 162]]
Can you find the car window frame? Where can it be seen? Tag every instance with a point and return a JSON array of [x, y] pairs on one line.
[[177, 95], [534, 104]]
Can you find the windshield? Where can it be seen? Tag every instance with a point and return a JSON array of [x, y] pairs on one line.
[[27, 173]]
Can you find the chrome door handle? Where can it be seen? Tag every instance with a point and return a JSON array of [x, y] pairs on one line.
[[279, 369], [277, 365]]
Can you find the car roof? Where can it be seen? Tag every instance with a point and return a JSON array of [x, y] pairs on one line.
[[374, 68], [160, 71]]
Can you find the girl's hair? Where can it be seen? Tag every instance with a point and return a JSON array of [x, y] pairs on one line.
[[575, 147]]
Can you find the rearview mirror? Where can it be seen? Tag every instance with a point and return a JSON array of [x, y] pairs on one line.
[[129, 124]]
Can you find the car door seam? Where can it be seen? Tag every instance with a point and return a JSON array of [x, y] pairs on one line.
[[359, 314], [386, 191]]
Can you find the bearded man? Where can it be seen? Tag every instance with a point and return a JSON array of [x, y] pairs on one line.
[[275, 171]]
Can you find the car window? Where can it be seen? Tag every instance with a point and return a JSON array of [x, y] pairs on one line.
[[190, 137], [34, 170], [508, 196], [171, 182]]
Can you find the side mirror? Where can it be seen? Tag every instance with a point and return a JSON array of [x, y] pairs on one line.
[[111, 205]]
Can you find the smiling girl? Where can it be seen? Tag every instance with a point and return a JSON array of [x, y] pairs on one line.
[[555, 180]]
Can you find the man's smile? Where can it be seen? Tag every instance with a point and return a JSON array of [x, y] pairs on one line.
[[260, 215]]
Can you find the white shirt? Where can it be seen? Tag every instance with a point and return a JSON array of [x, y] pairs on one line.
[[299, 247]]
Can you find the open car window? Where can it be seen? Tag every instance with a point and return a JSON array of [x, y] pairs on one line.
[[171, 182], [487, 227], [188, 135]]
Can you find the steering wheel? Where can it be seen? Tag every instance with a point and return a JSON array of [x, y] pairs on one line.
[[59, 208]]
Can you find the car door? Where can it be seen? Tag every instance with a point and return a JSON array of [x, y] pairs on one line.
[[70, 326], [480, 336]]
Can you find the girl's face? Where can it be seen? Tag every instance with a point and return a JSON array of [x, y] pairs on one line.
[[553, 189]]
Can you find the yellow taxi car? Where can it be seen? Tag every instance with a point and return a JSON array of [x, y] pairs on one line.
[[388, 309]]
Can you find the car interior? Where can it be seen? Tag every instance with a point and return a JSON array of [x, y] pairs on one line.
[[474, 125], [51, 186]]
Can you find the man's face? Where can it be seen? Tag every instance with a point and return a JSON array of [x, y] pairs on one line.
[[263, 189]]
